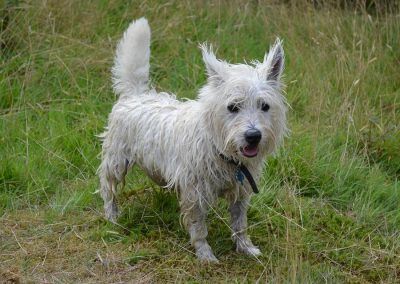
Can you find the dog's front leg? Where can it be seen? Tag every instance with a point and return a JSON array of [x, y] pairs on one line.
[[195, 221], [238, 210]]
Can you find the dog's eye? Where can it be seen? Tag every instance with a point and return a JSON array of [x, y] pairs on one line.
[[233, 108], [265, 107]]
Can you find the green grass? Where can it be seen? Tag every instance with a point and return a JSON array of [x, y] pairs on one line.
[[329, 207]]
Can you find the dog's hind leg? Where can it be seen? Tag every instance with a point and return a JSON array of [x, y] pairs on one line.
[[111, 173]]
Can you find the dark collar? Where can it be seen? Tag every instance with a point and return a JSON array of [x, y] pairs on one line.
[[240, 171]]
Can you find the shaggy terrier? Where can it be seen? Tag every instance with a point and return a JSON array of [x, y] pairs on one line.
[[205, 148]]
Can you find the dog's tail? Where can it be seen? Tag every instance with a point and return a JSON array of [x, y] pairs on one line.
[[131, 65]]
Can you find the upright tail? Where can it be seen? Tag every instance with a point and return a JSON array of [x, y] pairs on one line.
[[131, 64]]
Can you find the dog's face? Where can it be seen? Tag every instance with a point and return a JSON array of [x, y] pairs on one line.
[[245, 111]]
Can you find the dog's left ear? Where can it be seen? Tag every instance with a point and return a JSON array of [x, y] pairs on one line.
[[273, 64], [215, 68]]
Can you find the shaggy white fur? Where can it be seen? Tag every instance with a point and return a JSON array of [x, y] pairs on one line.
[[239, 113]]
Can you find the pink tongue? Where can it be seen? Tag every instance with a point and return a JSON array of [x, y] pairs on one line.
[[250, 151]]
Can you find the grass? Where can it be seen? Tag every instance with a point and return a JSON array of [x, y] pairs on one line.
[[329, 207]]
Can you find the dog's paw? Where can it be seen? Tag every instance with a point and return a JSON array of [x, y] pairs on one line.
[[248, 248], [205, 254], [207, 257], [111, 214]]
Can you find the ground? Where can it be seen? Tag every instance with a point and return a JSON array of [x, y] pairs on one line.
[[328, 210]]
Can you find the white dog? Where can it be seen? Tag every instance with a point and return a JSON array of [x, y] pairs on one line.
[[202, 148]]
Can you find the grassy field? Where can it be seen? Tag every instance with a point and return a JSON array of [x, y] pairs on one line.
[[329, 207]]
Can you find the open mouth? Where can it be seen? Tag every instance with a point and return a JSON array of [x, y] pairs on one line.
[[249, 151]]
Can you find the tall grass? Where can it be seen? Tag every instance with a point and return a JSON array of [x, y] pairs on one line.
[[329, 208]]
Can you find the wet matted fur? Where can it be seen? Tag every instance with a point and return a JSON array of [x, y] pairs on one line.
[[240, 113]]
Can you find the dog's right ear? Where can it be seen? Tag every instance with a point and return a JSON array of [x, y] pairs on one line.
[[272, 66], [215, 68]]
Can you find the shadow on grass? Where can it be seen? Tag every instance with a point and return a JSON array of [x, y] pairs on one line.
[[149, 213], [153, 214]]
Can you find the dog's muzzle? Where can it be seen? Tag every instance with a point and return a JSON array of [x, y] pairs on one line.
[[253, 137]]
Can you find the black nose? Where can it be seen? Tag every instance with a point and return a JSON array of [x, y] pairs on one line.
[[252, 136]]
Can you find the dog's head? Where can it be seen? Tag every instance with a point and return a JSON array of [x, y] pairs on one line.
[[245, 111]]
